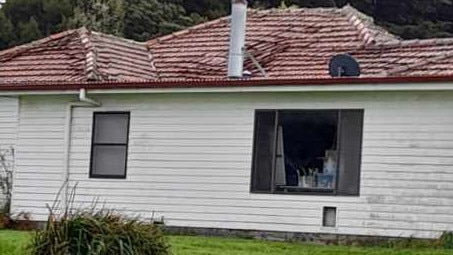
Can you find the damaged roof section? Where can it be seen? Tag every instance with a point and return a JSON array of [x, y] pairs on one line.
[[298, 44], [77, 55]]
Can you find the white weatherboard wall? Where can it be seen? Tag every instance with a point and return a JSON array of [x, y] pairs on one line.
[[9, 107], [190, 161]]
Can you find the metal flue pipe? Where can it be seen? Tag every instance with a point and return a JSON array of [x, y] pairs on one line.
[[237, 38]]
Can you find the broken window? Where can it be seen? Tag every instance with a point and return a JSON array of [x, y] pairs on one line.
[[307, 151], [109, 145]]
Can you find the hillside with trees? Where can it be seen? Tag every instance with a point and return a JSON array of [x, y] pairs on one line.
[[22, 21]]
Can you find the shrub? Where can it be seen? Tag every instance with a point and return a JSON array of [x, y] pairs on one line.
[[447, 240], [101, 232], [6, 180]]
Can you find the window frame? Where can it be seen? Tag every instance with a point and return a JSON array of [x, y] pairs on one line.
[[313, 192], [94, 144]]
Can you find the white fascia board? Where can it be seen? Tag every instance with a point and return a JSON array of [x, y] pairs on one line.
[[280, 88]]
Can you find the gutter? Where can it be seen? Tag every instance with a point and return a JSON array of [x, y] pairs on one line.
[[397, 87], [230, 85], [84, 101]]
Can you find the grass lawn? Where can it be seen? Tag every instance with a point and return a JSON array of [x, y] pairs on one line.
[[12, 243]]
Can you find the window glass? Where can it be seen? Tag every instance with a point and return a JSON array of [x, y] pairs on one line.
[[109, 145], [264, 149], [109, 160], [351, 124], [309, 151], [111, 128]]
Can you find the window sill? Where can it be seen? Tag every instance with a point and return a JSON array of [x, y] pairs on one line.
[[331, 194], [298, 193], [303, 190], [111, 177]]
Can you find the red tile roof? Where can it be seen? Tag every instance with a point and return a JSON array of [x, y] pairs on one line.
[[294, 43], [58, 57], [288, 44], [77, 55]]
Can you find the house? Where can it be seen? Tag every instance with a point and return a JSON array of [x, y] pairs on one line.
[[160, 129]]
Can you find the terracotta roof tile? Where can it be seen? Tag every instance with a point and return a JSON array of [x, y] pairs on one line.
[[292, 43], [77, 55]]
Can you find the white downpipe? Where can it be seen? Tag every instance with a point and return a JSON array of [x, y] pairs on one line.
[[84, 101], [237, 38], [83, 98]]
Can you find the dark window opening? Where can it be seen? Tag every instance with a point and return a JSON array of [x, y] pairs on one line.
[[307, 151], [109, 145]]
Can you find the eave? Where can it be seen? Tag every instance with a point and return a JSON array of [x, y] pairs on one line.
[[416, 83]]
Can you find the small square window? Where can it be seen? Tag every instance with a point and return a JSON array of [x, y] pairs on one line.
[[109, 145]]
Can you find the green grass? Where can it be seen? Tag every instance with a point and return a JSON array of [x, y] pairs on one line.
[[185, 245], [13, 243]]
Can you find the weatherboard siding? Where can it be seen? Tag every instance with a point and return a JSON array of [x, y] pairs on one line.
[[8, 129], [8, 121], [39, 158], [190, 159]]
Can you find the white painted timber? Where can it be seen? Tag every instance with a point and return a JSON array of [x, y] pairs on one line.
[[9, 107], [190, 161]]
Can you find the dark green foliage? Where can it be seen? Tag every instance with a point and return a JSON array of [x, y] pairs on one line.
[[146, 19], [207, 8], [7, 35], [32, 19], [447, 240], [99, 232], [28, 30], [25, 20], [100, 15]]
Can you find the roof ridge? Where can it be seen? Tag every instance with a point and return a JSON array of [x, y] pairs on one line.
[[119, 38], [359, 20], [298, 9], [365, 25], [91, 68], [221, 19], [185, 31], [408, 67], [418, 42]]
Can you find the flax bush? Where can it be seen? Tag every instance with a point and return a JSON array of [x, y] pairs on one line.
[[96, 231], [102, 232]]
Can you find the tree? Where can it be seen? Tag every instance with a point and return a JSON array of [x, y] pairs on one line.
[[22, 21], [29, 31], [210, 9], [25, 20], [146, 19], [7, 36], [48, 14], [105, 16]]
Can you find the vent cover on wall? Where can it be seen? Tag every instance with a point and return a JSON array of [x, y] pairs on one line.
[[343, 65], [329, 217]]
